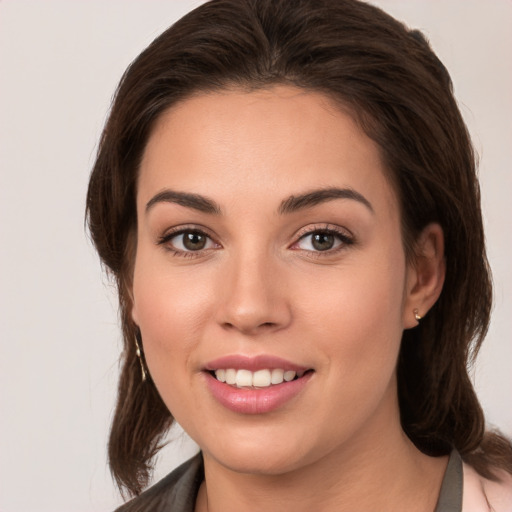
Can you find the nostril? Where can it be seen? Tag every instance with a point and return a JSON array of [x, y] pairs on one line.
[[249, 328]]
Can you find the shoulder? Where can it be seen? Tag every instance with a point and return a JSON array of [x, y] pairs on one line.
[[482, 495], [177, 491]]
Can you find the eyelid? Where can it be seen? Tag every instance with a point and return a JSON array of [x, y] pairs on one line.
[[345, 237], [175, 231], [324, 226], [343, 234]]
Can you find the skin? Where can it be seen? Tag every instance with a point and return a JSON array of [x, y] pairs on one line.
[[260, 287]]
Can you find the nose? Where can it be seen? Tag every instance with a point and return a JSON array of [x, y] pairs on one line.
[[254, 296]]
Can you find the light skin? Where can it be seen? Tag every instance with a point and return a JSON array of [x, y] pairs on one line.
[[322, 282]]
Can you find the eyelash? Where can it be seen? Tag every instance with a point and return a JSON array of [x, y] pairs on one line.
[[345, 239], [166, 239]]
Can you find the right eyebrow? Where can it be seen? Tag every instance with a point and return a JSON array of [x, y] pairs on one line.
[[194, 201], [314, 197]]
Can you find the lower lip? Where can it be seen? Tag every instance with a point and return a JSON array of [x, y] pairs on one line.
[[255, 401]]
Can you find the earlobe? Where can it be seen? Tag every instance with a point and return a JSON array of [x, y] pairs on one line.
[[425, 275]]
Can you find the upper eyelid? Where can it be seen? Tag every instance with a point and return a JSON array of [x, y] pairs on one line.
[[184, 228], [315, 228], [345, 236], [301, 233], [165, 240]]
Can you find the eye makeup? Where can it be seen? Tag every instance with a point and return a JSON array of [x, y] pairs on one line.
[[318, 240]]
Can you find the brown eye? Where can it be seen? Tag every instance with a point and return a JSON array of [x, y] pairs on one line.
[[187, 241], [323, 241], [193, 241]]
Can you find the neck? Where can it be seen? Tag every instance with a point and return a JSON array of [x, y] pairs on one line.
[[382, 472]]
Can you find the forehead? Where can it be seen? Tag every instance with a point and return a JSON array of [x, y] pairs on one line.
[[273, 142]]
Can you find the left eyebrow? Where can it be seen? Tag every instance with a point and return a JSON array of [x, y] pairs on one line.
[[193, 201], [314, 197]]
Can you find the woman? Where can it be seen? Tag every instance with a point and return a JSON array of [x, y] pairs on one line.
[[286, 194]]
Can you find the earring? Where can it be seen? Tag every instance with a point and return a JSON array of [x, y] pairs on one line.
[[138, 342], [417, 315]]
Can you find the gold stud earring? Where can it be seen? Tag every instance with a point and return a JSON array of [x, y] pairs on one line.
[[417, 315], [138, 339]]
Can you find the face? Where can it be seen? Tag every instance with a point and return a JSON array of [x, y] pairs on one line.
[[270, 283]]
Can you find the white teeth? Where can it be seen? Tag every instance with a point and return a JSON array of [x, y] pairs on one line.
[[243, 378], [277, 376], [231, 376], [261, 379], [221, 375], [289, 375], [258, 379]]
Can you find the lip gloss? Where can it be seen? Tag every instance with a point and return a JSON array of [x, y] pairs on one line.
[[255, 400], [253, 363]]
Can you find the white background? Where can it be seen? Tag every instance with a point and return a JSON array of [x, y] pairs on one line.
[[59, 64]]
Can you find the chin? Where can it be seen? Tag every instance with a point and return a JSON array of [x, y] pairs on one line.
[[259, 462], [260, 453]]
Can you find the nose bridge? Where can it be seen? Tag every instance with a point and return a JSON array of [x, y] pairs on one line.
[[254, 296]]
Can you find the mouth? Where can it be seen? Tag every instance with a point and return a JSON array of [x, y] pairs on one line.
[[255, 384], [259, 379]]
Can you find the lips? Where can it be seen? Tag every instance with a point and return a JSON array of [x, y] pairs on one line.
[[255, 385]]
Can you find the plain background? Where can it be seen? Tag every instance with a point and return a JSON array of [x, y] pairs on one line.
[[59, 64]]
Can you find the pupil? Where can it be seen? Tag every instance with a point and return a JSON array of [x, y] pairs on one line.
[[194, 241], [323, 241]]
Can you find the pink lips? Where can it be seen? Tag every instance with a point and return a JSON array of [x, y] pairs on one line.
[[250, 400]]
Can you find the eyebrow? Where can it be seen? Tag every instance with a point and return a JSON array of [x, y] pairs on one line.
[[314, 197], [194, 201], [290, 205]]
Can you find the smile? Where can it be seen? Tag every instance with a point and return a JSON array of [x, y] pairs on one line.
[[259, 379], [255, 385]]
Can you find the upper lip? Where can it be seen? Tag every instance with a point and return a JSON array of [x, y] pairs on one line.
[[253, 363]]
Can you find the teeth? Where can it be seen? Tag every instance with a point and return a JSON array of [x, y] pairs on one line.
[[231, 376], [243, 378], [258, 379], [261, 379], [221, 375], [288, 376], [277, 376]]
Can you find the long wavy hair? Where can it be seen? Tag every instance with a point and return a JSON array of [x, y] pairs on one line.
[[401, 95]]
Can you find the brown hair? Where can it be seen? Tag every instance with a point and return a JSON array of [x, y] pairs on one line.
[[401, 95]]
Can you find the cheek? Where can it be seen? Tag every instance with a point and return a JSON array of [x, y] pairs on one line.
[[357, 331], [171, 309], [358, 317]]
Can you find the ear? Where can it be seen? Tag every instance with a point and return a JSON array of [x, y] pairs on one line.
[[425, 275]]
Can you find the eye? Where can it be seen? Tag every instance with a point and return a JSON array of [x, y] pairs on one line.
[[189, 240], [323, 240]]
